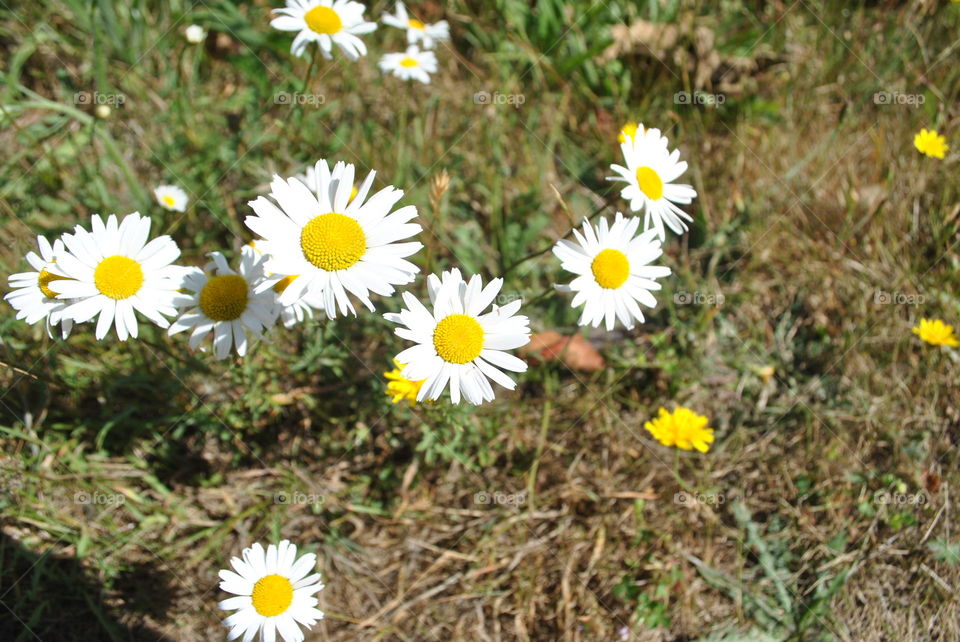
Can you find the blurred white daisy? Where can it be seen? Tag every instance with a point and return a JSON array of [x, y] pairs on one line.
[[649, 175], [456, 343], [412, 65], [327, 23], [171, 198], [332, 244], [274, 593], [113, 271], [427, 35], [223, 302], [31, 295], [613, 270], [195, 34]]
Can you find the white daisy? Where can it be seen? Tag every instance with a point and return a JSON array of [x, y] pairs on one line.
[[171, 198], [32, 297], [412, 65], [275, 593], [335, 245], [113, 271], [649, 175], [223, 302], [613, 270], [426, 34], [195, 34], [456, 344], [326, 22]]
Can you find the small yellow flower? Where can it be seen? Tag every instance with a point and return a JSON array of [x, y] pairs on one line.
[[630, 129], [683, 428], [936, 332], [930, 143], [399, 387]]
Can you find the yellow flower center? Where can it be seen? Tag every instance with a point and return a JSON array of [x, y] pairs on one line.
[[650, 183], [323, 20], [118, 277], [44, 280], [333, 241], [409, 62], [353, 192], [415, 24], [272, 595], [458, 339], [224, 298], [610, 268], [282, 284], [169, 201]]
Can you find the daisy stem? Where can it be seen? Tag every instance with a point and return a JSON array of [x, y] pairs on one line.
[[541, 252], [310, 69], [541, 443]]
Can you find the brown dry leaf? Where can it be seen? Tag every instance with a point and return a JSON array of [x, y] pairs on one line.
[[574, 351]]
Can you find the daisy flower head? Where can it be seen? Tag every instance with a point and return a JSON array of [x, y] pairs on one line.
[[274, 592], [628, 131], [171, 198], [195, 34], [334, 245], [31, 295], [399, 387], [457, 343], [327, 23], [428, 35], [682, 428], [930, 143], [649, 175], [223, 302], [113, 271], [936, 333], [412, 65], [612, 264]]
